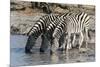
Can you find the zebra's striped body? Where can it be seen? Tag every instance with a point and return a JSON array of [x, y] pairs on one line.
[[44, 24], [73, 23]]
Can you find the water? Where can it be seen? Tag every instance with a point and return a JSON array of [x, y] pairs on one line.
[[19, 58]]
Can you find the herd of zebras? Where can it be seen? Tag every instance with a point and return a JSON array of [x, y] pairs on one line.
[[55, 29]]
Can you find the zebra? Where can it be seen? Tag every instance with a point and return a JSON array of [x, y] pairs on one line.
[[44, 24], [73, 23]]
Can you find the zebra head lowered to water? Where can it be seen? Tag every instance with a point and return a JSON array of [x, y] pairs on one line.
[[45, 27]]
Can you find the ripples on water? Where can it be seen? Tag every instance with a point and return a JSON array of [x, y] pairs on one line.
[[19, 58]]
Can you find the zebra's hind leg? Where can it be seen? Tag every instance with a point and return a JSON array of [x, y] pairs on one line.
[[87, 38], [44, 44]]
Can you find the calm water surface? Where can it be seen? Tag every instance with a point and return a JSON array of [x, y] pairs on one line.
[[19, 58]]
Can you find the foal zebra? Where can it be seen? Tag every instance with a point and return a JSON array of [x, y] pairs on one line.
[[73, 23], [44, 24]]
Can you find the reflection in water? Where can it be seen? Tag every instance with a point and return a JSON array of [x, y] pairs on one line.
[[54, 58], [19, 58]]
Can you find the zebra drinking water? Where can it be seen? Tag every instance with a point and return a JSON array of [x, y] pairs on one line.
[[44, 24]]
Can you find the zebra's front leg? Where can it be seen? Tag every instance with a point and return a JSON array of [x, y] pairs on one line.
[[81, 41], [68, 43], [73, 40], [44, 44], [63, 39], [54, 45]]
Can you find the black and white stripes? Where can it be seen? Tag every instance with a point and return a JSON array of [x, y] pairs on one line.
[[44, 24], [73, 23], [52, 27]]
